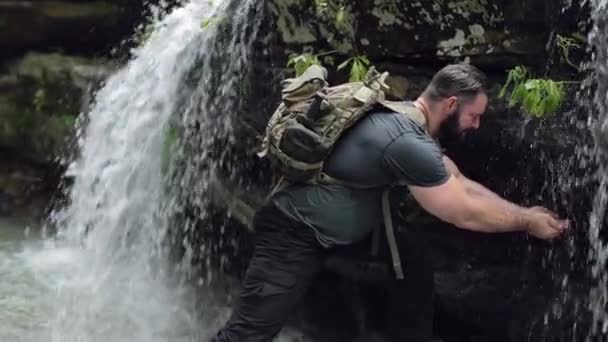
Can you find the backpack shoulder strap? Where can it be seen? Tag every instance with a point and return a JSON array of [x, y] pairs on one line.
[[406, 109], [390, 235]]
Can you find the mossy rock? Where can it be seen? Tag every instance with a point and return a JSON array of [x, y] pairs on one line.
[[496, 34], [40, 98]]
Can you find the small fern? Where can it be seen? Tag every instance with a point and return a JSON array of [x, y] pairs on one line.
[[300, 63], [537, 97], [359, 65]]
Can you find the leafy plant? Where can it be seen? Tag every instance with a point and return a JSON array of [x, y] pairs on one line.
[[359, 65], [338, 15], [537, 97], [301, 62], [39, 100]]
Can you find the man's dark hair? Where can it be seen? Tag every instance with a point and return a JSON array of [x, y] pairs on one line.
[[461, 80]]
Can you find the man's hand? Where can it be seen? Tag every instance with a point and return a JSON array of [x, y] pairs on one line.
[[545, 224]]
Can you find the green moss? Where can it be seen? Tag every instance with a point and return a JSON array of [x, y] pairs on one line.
[[40, 106]]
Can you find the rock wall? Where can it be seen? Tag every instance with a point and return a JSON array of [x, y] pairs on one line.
[[489, 34], [505, 287]]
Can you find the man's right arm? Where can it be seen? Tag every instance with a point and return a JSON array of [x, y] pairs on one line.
[[451, 202], [417, 160]]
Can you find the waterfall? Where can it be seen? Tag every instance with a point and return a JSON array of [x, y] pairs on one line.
[[598, 39]]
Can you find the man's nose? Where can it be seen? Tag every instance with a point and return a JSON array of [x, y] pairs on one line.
[[476, 123]]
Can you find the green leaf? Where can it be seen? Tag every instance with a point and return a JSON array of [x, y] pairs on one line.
[[554, 93], [353, 71], [344, 64], [364, 60], [514, 78], [357, 71], [531, 85], [300, 68], [300, 63], [517, 95], [340, 14], [529, 101]]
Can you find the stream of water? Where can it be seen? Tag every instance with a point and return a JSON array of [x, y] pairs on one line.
[[598, 255]]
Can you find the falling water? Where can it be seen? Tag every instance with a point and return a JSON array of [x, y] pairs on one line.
[[105, 276], [599, 248]]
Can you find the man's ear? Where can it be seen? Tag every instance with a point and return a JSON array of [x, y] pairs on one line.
[[452, 103]]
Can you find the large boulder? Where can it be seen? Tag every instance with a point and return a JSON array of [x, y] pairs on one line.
[[41, 96]]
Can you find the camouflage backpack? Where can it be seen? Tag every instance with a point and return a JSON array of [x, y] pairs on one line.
[[309, 121], [312, 116]]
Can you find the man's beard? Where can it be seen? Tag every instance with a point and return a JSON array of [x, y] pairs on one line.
[[450, 130]]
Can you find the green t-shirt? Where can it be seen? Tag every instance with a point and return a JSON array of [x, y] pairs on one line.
[[380, 150]]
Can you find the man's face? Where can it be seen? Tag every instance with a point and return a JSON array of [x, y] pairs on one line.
[[463, 118]]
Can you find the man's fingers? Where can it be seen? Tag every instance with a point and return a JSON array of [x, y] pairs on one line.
[[559, 225], [547, 211]]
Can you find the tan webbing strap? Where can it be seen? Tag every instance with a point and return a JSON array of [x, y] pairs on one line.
[[404, 108], [281, 185], [390, 235]]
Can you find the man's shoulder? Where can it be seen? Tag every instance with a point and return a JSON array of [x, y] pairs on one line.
[[399, 121]]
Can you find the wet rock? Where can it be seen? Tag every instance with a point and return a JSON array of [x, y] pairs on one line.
[[25, 187], [490, 287], [487, 33], [40, 97], [7, 206]]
